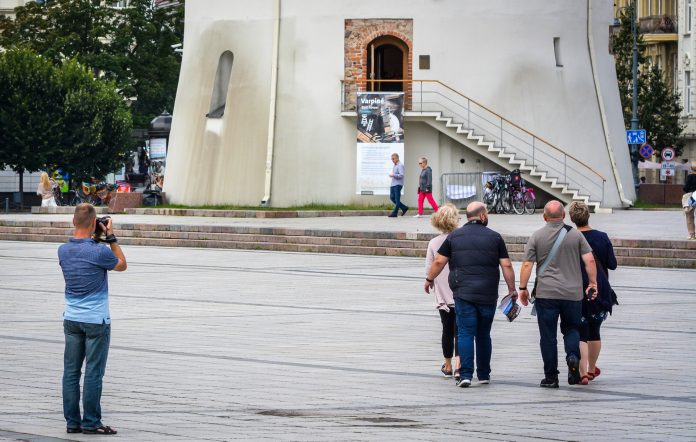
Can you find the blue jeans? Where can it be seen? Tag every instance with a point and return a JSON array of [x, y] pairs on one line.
[[395, 197], [474, 323], [548, 311], [88, 342]]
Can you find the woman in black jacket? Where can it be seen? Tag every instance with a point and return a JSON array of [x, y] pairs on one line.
[[689, 189], [594, 312]]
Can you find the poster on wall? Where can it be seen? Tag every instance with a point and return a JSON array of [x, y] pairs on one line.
[[380, 134]]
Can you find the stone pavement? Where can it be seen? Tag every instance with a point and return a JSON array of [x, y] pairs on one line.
[[627, 224], [212, 345]]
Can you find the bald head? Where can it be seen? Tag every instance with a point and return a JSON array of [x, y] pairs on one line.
[[554, 211], [475, 209]]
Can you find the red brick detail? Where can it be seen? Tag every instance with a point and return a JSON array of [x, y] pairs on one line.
[[358, 34]]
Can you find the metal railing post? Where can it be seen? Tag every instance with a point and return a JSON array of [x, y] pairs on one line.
[[421, 96], [533, 150], [602, 202], [468, 114], [565, 160], [7, 205], [501, 132]]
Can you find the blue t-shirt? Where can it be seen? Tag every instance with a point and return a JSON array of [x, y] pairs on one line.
[[84, 264]]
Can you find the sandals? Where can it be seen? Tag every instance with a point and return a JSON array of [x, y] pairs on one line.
[[596, 373], [103, 430], [74, 430], [584, 380], [447, 374]]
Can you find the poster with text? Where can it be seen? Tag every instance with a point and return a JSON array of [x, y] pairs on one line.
[[380, 134]]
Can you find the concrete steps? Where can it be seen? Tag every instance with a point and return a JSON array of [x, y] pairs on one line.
[[644, 253]]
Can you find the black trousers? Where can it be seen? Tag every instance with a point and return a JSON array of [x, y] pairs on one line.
[[449, 333]]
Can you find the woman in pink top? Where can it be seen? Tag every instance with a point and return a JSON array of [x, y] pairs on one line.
[[445, 220]]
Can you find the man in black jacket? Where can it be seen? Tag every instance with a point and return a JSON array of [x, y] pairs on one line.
[[474, 253]]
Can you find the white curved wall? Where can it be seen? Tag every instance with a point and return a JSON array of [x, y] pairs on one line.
[[498, 52]]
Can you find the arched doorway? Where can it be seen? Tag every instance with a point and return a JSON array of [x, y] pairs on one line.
[[387, 59]]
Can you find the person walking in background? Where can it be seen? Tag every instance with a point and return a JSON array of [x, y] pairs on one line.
[[445, 220], [689, 189], [557, 250], [594, 312], [474, 253], [45, 190], [397, 183], [425, 187]]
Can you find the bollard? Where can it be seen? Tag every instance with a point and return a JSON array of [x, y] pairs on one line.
[[7, 205]]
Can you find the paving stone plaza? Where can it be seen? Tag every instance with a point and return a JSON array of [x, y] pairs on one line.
[[224, 345]]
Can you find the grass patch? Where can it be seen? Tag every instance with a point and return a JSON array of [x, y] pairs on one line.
[[643, 205], [315, 207]]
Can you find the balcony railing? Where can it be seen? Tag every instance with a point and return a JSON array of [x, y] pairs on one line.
[[433, 96]]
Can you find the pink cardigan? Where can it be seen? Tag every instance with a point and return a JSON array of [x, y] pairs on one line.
[[443, 294]]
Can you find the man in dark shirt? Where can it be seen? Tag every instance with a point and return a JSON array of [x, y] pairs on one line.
[[474, 253]]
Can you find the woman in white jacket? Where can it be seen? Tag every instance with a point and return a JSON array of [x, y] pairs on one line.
[[445, 220]]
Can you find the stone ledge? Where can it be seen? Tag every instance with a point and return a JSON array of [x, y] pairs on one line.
[[63, 210]]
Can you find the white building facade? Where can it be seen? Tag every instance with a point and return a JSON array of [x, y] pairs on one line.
[[687, 76], [264, 109]]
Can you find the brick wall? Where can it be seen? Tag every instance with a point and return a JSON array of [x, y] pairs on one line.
[[358, 34]]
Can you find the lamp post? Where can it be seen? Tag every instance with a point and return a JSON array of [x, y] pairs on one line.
[[634, 116]]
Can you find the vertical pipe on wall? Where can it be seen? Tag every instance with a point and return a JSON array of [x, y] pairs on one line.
[[272, 106]]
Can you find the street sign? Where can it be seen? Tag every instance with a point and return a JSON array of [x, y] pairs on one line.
[[667, 168], [646, 151], [636, 136], [668, 154]]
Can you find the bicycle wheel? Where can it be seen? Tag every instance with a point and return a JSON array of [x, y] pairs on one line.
[[529, 204], [505, 202], [518, 202]]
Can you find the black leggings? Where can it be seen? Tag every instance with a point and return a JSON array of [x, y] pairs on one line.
[[589, 330], [449, 332]]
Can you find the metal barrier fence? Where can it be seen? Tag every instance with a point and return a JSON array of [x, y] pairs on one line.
[[462, 188]]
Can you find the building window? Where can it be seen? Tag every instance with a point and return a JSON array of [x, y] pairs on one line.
[[687, 92], [218, 99], [557, 51]]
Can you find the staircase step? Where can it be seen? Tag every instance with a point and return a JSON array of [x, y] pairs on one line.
[[646, 253]]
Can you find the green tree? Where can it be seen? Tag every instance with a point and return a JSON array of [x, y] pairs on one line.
[[30, 112], [144, 34], [622, 47], [131, 46], [660, 109], [60, 116]]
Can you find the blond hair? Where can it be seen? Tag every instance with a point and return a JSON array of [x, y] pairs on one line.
[[84, 215], [579, 213], [45, 183], [446, 219]]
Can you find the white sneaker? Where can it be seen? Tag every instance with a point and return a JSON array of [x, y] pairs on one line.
[[464, 383], [485, 381], [417, 215]]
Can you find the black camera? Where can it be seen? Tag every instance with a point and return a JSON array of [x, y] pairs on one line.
[[99, 233]]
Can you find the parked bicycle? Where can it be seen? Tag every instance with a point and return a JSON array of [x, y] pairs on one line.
[[508, 193]]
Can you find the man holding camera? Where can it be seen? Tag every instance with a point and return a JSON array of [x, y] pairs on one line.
[[558, 251], [86, 320]]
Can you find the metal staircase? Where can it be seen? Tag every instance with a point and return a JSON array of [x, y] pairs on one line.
[[495, 138]]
